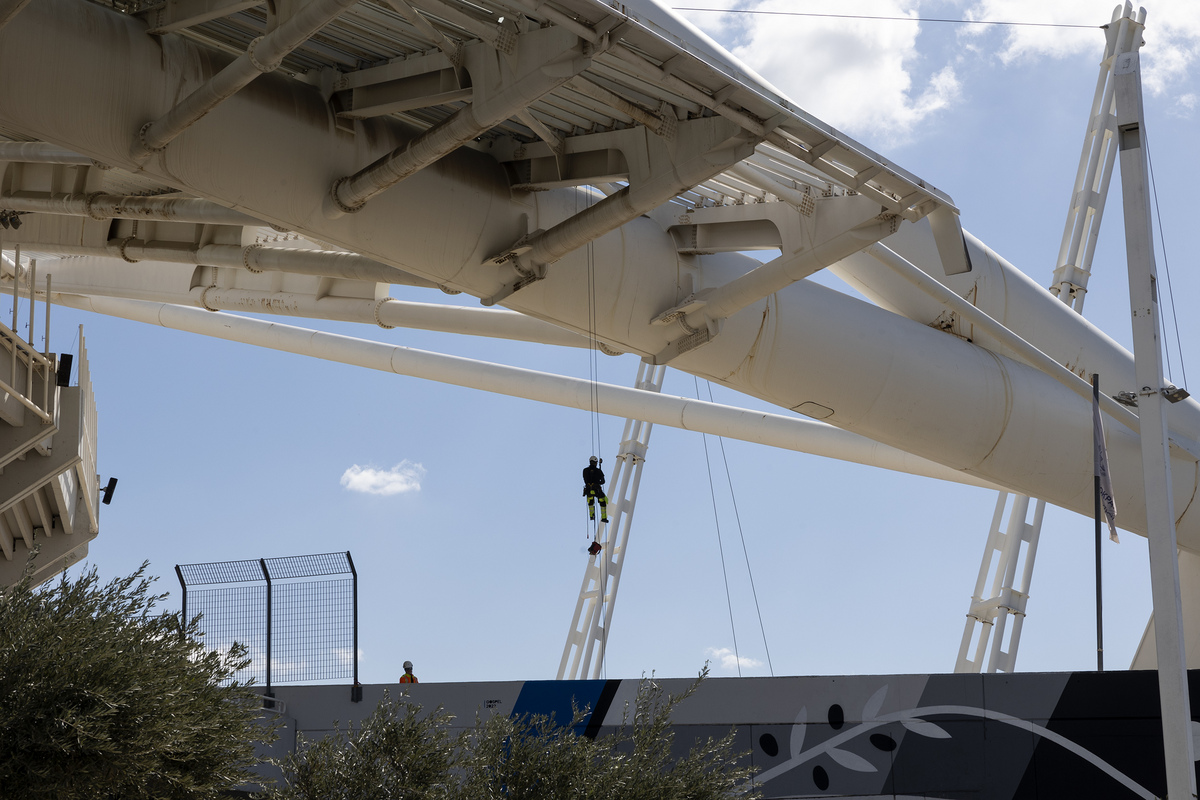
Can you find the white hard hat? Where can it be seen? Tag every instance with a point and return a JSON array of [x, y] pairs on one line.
[[408, 665], [592, 459]]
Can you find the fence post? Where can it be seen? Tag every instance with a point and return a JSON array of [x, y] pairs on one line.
[[267, 575], [183, 613]]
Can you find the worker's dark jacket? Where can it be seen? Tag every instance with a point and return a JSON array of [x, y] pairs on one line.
[[593, 476]]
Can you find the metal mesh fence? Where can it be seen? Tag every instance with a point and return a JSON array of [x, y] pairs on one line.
[[235, 614], [295, 629]]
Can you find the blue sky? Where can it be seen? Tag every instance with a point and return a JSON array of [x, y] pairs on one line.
[[470, 567]]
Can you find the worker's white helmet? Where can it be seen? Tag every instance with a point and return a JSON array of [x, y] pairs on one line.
[[592, 459], [408, 665]]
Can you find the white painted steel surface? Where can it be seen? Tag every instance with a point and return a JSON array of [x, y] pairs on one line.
[[1152, 405], [1069, 284], [498, 217], [792, 433]]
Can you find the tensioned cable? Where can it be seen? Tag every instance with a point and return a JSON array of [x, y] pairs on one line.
[[1162, 240], [888, 19], [720, 546], [594, 392], [593, 355], [745, 552]]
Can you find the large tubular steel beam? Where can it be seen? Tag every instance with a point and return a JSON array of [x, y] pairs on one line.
[[274, 148], [41, 153], [263, 55], [92, 277], [791, 433], [255, 257], [101, 206], [391, 313], [545, 59], [1020, 348]]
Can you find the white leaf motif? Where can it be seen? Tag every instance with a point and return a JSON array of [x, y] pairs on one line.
[[851, 761], [798, 731], [871, 709], [923, 728]]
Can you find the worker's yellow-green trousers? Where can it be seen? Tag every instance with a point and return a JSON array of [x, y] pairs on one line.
[[592, 496]]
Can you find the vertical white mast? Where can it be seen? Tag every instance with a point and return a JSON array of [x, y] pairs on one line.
[[1156, 463]]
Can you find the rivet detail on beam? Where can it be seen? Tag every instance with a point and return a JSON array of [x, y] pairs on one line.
[[246, 253], [122, 244], [379, 321], [258, 65]]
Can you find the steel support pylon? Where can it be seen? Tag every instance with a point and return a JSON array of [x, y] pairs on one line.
[[1085, 211], [1156, 460], [1009, 544], [1124, 35], [583, 654]]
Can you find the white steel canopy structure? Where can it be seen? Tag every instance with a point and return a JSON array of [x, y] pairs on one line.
[[298, 158]]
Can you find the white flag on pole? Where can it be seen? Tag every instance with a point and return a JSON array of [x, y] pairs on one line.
[[1100, 463]]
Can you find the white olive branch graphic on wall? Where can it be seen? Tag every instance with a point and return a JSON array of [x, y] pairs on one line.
[[912, 721]]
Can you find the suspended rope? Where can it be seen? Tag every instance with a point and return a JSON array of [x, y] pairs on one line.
[[720, 546], [742, 535], [597, 549], [594, 347], [1162, 240]]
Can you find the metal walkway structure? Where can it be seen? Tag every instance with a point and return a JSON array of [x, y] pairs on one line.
[[49, 489]]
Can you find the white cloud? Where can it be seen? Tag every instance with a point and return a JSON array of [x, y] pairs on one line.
[[726, 660], [873, 79], [858, 75], [1172, 35], [400, 479]]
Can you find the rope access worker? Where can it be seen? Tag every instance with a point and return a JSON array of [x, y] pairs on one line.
[[593, 479], [408, 676]]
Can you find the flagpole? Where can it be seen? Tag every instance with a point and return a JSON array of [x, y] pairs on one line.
[[1099, 584]]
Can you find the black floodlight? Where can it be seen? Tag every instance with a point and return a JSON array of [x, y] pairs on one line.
[[1174, 394], [62, 376], [107, 491], [15, 219], [1126, 399]]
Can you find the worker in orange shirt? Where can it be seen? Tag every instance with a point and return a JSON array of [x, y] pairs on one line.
[[408, 676]]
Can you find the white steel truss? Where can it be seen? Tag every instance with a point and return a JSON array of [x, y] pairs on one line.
[[1069, 284], [1124, 34], [1006, 545], [583, 655]]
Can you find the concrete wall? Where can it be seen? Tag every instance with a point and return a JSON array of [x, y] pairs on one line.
[[980, 736]]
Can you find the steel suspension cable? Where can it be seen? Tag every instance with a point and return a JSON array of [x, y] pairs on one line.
[[720, 545], [1162, 240], [887, 18], [737, 516], [594, 348], [594, 394]]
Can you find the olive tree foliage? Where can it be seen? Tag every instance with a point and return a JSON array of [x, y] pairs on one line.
[[103, 697], [399, 753]]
